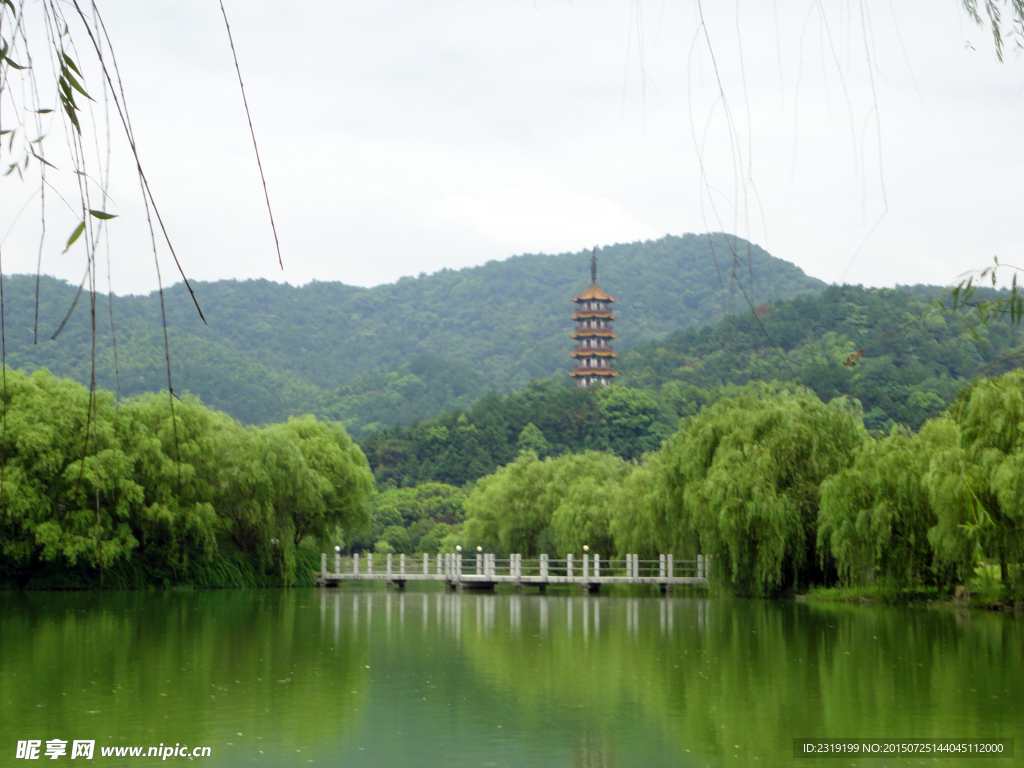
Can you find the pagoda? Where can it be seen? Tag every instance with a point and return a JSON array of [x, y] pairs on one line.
[[593, 354]]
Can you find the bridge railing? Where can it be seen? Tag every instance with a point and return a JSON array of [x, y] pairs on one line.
[[452, 565]]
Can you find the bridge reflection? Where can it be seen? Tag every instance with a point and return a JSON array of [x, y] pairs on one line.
[[449, 614]]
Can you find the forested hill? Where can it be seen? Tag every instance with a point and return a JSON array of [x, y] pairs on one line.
[[900, 356], [398, 352]]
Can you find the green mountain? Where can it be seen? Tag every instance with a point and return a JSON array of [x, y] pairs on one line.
[[372, 357]]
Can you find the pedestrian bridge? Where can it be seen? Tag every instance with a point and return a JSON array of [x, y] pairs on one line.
[[485, 571]]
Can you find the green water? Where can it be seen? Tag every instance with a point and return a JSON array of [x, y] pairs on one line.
[[375, 678]]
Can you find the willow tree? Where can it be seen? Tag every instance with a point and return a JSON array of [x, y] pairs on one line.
[[976, 482], [567, 501], [55, 504], [744, 475], [876, 514]]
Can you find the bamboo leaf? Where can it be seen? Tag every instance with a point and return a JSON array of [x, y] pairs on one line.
[[75, 235], [103, 214]]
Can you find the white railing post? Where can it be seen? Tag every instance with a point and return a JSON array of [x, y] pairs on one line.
[[438, 563], [661, 566], [388, 568], [355, 564], [700, 566], [544, 565], [568, 565], [426, 564], [323, 565], [479, 564], [670, 569], [401, 564], [369, 562], [597, 566], [586, 568], [337, 563]]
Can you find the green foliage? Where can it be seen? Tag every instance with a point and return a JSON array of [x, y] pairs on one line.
[[411, 520], [631, 420], [569, 500], [532, 439], [140, 487], [457, 447]]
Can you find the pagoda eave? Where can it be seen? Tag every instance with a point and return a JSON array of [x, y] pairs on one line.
[[594, 353], [593, 315], [587, 332], [593, 293], [595, 372]]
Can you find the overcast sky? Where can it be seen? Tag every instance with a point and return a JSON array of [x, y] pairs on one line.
[[877, 144]]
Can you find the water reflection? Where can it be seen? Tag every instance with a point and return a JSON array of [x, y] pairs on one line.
[[436, 678]]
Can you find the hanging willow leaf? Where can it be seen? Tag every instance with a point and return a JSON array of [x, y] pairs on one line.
[[75, 85], [75, 235], [71, 63], [13, 64], [103, 214], [43, 111], [43, 160], [73, 117]]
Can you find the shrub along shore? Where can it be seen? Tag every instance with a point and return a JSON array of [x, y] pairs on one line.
[[788, 492]]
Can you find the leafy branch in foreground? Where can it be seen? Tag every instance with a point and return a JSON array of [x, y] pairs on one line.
[[964, 295]]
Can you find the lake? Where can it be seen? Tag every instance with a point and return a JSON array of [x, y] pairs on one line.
[[362, 676]]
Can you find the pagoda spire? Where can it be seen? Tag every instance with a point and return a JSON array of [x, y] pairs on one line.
[[593, 356]]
